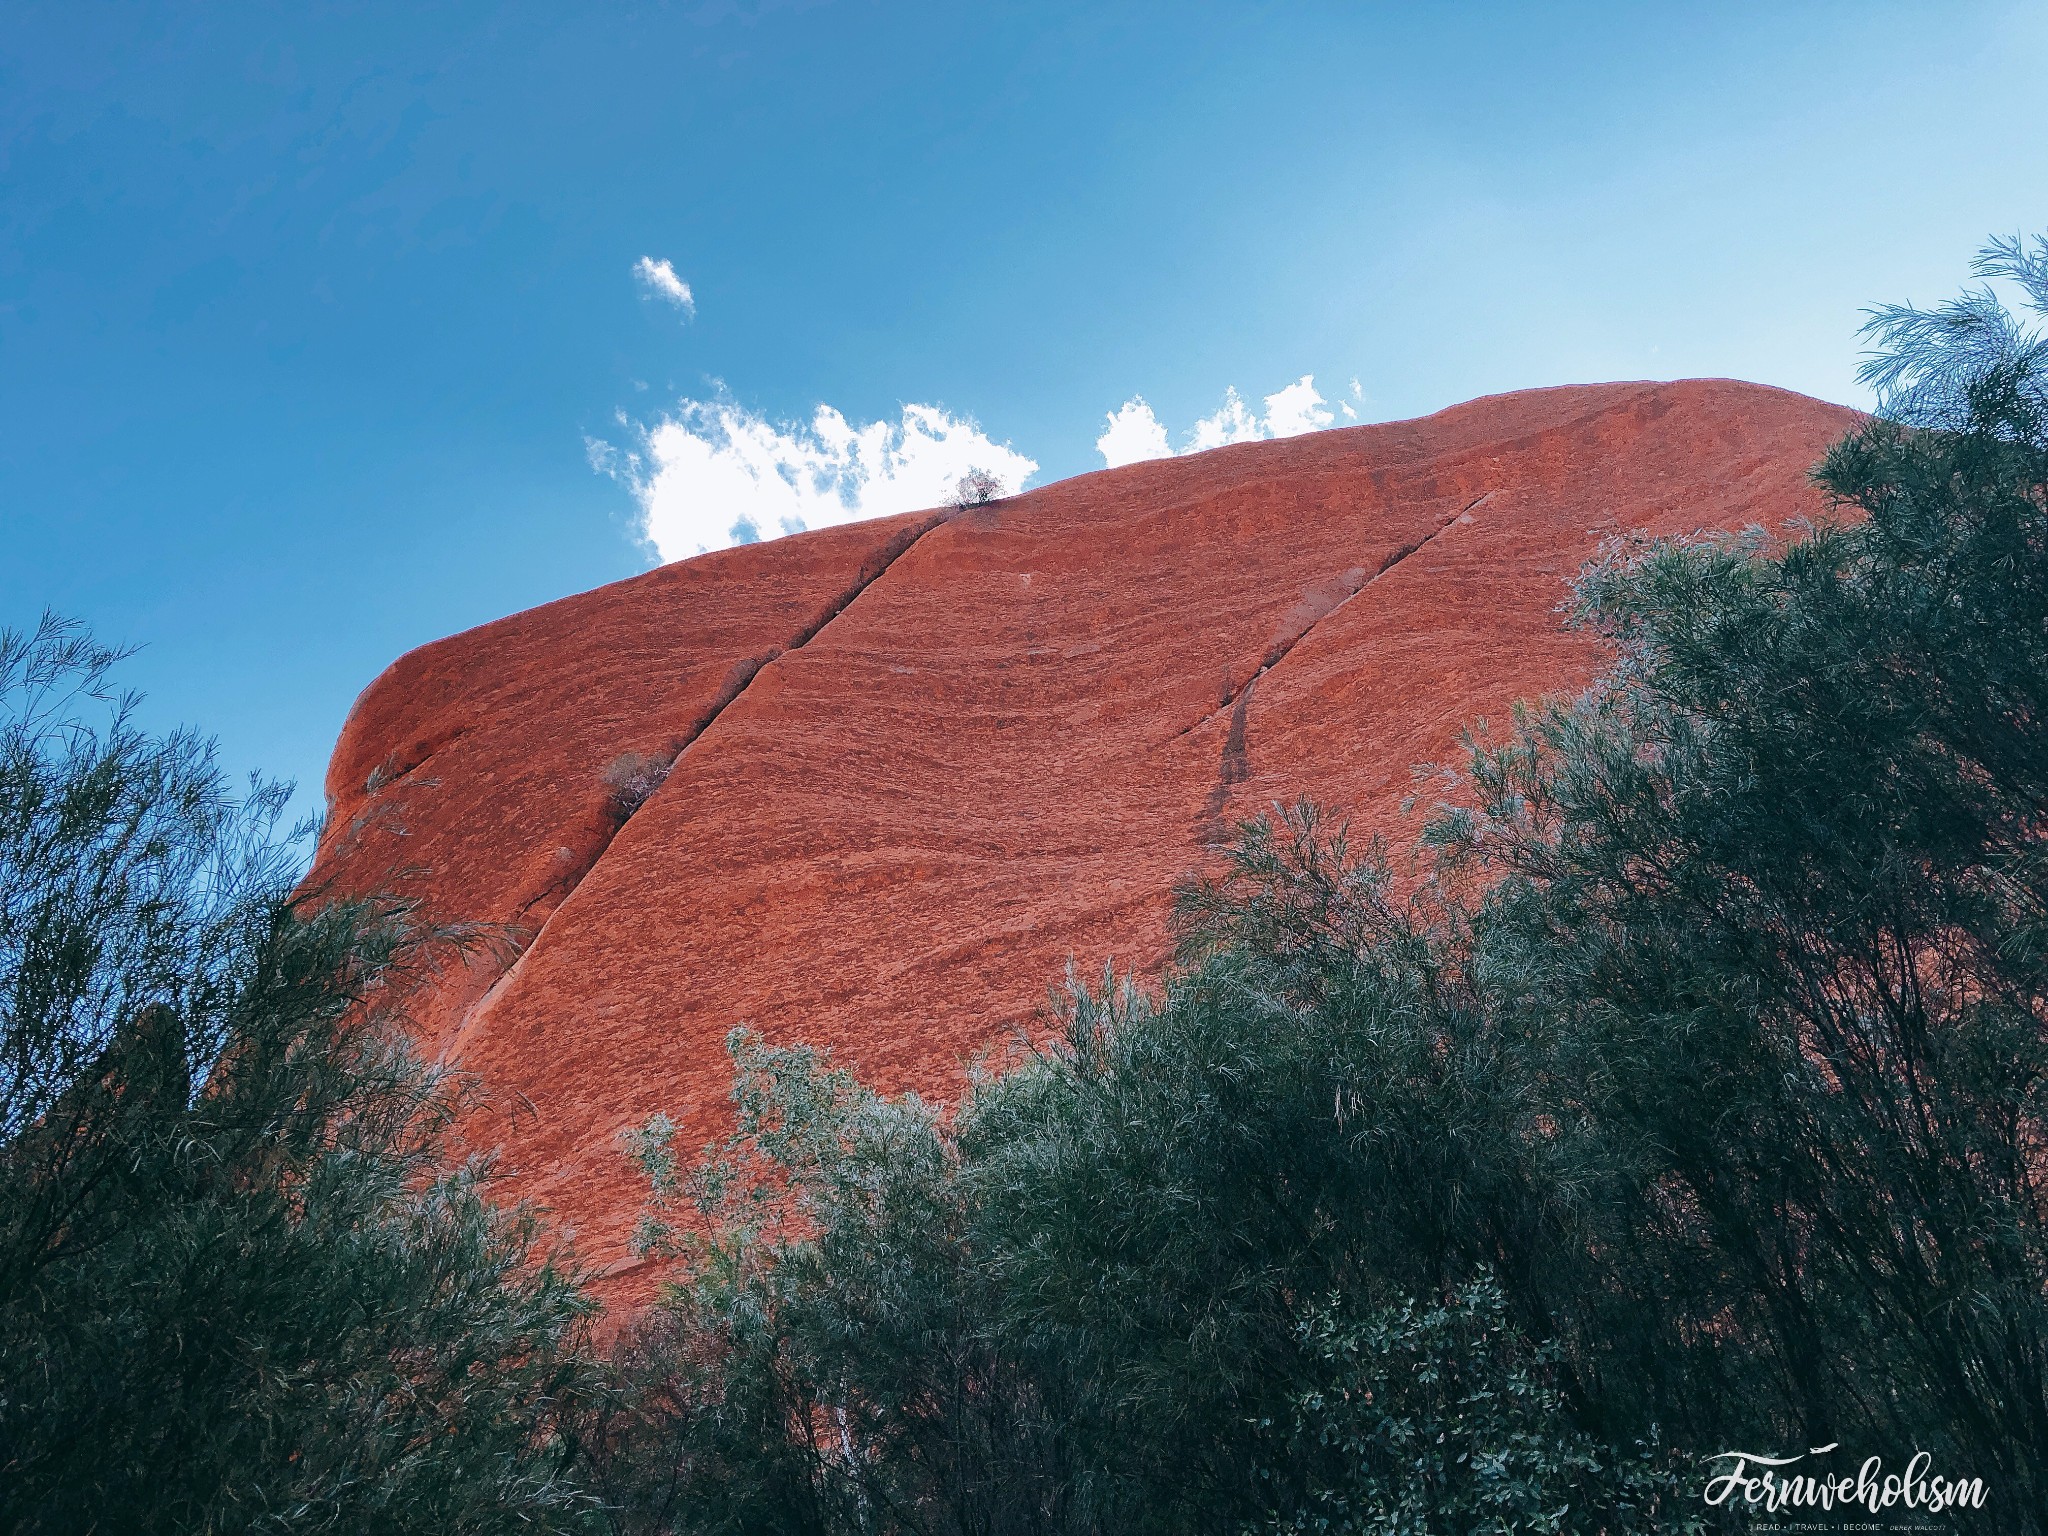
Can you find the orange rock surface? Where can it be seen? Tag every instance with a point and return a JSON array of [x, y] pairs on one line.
[[921, 763]]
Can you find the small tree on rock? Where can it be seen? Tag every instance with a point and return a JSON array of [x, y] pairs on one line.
[[976, 488]]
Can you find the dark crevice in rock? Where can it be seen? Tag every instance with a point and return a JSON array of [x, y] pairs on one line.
[[396, 771], [1210, 827], [743, 672], [1279, 650], [735, 683], [402, 762], [872, 570]]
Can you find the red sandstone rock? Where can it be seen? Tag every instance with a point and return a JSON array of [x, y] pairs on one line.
[[927, 760]]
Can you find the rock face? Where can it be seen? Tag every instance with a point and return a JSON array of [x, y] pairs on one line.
[[920, 763]]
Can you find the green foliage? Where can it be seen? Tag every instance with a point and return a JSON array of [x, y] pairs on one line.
[[1083, 1305], [1929, 363], [1445, 1419], [825, 1366], [1770, 910], [241, 1288]]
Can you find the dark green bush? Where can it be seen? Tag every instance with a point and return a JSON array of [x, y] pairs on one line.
[[1770, 915], [1443, 1418], [242, 1284]]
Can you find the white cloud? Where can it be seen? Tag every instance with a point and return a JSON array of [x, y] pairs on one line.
[[1232, 423], [1296, 409], [1134, 432], [659, 278], [714, 474]]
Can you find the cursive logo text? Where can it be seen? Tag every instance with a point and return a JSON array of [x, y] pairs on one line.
[[1762, 1480]]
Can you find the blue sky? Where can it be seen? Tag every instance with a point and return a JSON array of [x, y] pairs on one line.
[[321, 335]]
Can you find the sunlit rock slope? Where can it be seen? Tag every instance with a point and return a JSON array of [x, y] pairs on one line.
[[921, 763]]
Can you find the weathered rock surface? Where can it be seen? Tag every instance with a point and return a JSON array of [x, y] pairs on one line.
[[920, 763]]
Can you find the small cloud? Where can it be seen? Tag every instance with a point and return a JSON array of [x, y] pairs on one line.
[[1232, 423], [715, 474], [1135, 433], [604, 458], [1131, 434], [659, 278], [1296, 409]]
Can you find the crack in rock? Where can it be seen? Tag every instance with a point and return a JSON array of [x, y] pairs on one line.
[[402, 762], [1236, 766], [735, 684], [1211, 828], [1278, 652]]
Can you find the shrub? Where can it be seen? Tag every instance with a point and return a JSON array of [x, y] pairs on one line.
[[1768, 924], [976, 488], [1443, 1418], [630, 778], [824, 1363], [242, 1287]]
